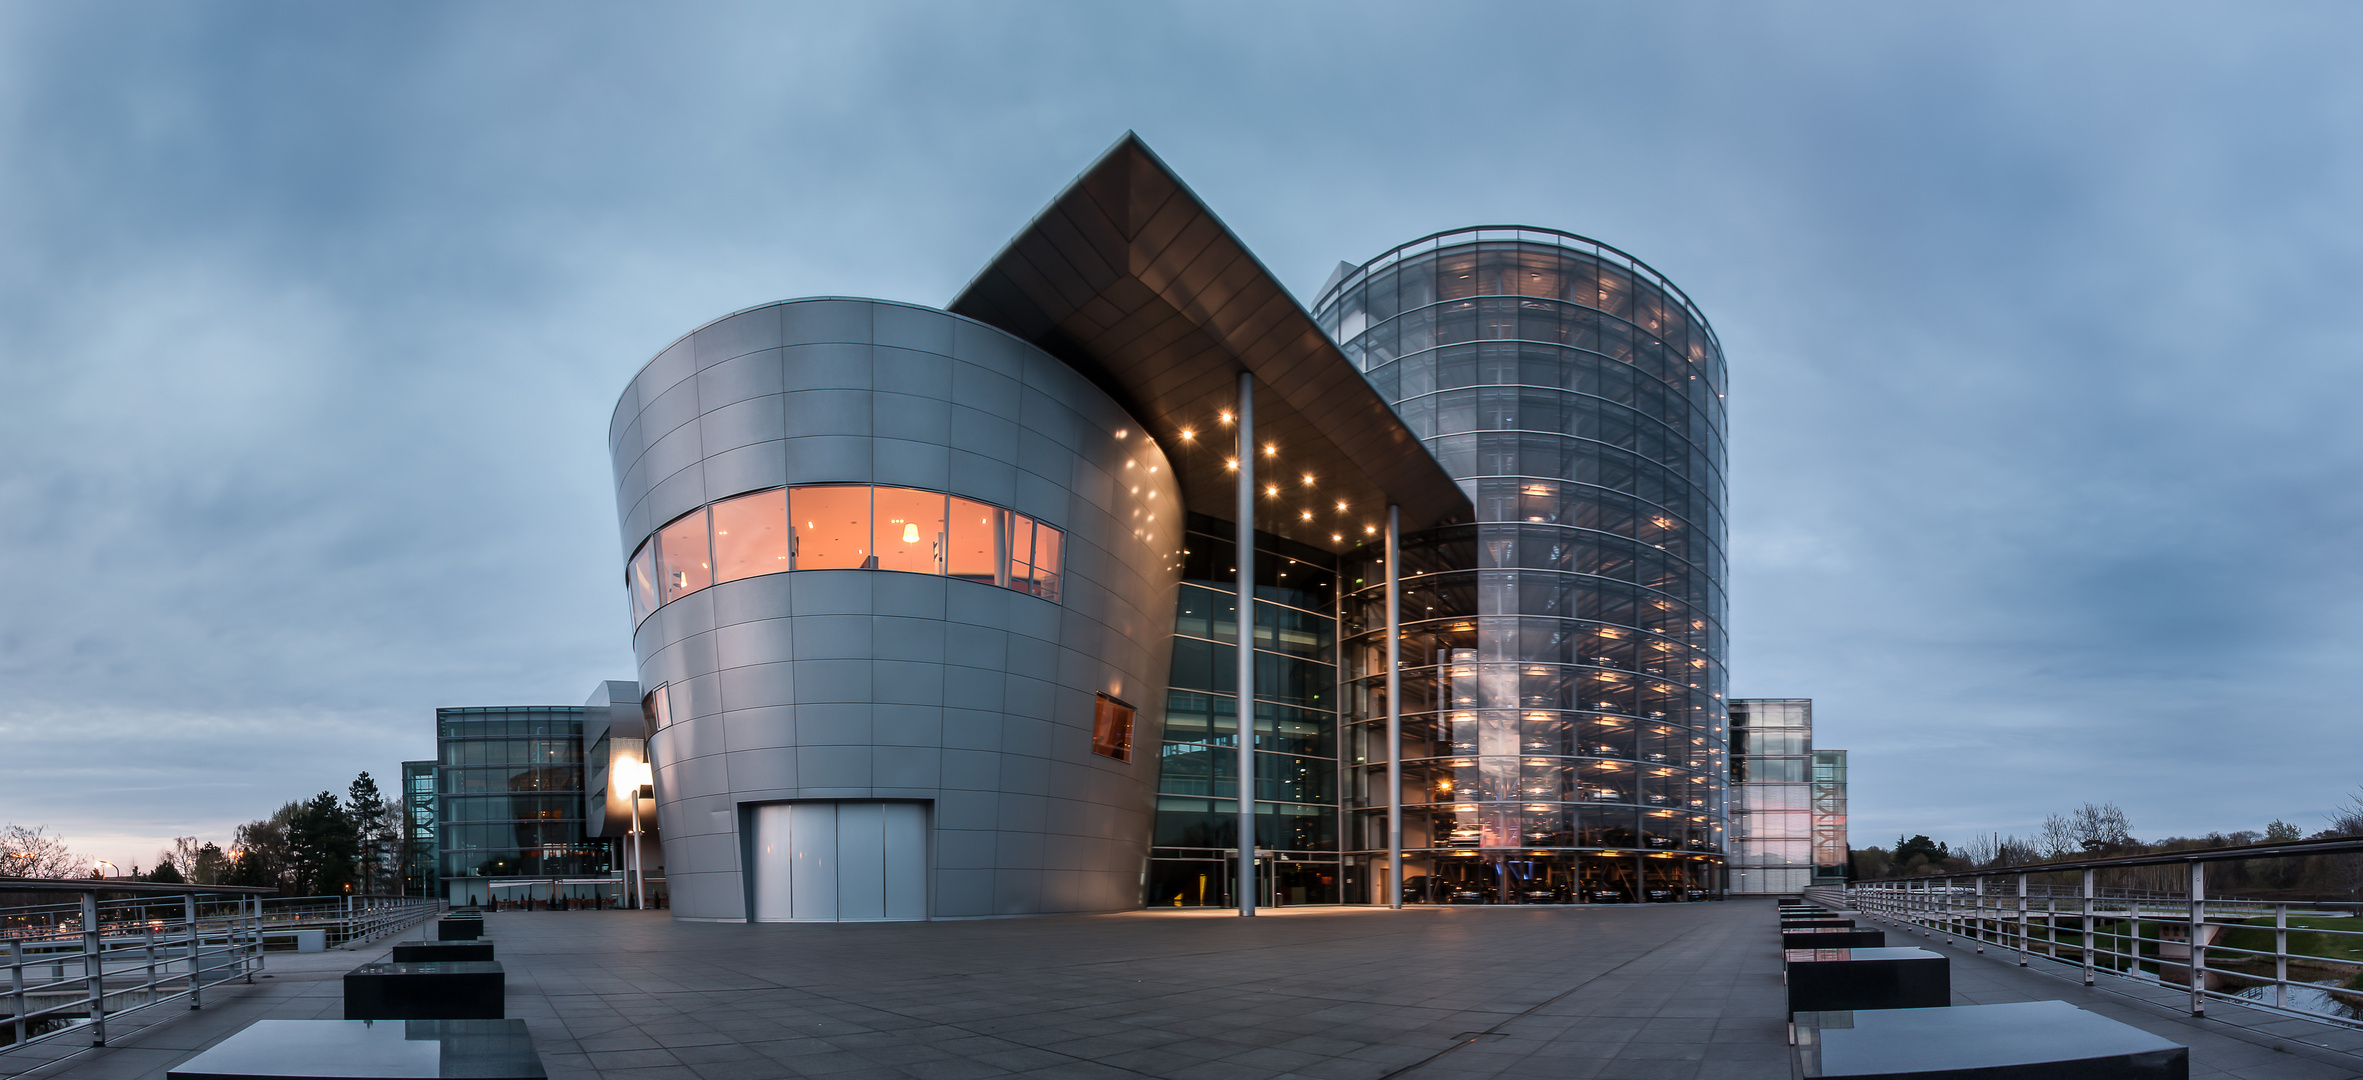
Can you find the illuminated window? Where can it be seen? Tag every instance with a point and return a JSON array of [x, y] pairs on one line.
[[845, 527], [831, 527], [1111, 729], [975, 552], [750, 535], [910, 530], [684, 565]]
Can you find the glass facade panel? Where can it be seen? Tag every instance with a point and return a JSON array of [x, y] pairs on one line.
[[910, 530], [1564, 691], [642, 581], [751, 535], [1297, 777], [684, 564], [976, 551], [831, 526]]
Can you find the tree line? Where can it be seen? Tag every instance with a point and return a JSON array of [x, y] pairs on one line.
[[321, 846], [2101, 830]]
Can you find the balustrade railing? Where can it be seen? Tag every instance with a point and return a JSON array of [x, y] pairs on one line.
[[83, 951], [2303, 958]]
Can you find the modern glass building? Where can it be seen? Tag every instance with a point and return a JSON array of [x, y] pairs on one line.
[[937, 611], [1563, 698], [418, 830], [1773, 795], [509, 801], [1831, 855]]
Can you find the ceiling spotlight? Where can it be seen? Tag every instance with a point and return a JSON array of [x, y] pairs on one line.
[[1231, 464], [1226, 418], [1272, 489], [1188, 434], [1271, 449]]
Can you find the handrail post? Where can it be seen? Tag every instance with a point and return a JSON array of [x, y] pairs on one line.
[[147, 933], [2198, 951], [2281, 956], [2022, 920], [2088, 927], [94, 969], [16, 986], [1977, 886], [196, 948]]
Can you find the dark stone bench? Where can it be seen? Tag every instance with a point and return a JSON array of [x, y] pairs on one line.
[[459, 928], [455, 990], [1843, 980], [2023, 1040], [428, 952], [1832, 939], [1816, 924], [343, 1049]]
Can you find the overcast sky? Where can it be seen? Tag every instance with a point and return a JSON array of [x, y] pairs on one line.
[[2042, 320]]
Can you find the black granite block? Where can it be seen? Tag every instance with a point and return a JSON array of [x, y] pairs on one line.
[[1833, 939], [1835, 980], [1816, 924], [456, 990], [427, 952], [458, 929], [2023, 1040], [377, 1050]]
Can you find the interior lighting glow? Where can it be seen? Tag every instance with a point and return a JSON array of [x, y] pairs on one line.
[[911, 533], [1271, 449], [1226, 417], [1231, 464], [1187, 434], [1272, 489]]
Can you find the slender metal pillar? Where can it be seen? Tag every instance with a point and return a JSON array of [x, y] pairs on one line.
[[2088, 896], [2022, 920], [94, 969], [1394, 708], [1246, 678], [2198, 928], [196, 951]]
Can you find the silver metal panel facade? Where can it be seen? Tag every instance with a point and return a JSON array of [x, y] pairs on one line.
[[881, 685]]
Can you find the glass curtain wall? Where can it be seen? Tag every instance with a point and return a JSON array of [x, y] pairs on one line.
[[1771, 784], [1564, 718], [510, 798], [1295, 727], [418, 829], [1831, 857]]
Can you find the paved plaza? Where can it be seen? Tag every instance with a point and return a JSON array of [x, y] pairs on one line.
[[1688, 990]]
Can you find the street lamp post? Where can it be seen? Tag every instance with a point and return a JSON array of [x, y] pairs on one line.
[[637, 775]]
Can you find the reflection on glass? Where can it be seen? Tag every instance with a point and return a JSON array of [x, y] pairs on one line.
[[684, 565], [1047, 542], [642, 584], [975, 553], [750, 535], [910, 530], [831, 527]]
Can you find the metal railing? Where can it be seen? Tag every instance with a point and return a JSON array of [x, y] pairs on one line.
[[119, 946], [2239, 947]]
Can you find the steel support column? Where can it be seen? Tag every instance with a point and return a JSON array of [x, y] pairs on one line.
[[1394, 707], [1245, 542]]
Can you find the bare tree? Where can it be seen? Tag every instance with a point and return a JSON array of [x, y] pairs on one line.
[[2099, 827], [181, 856], [2348, 820], [32, 852], [2058, 838]]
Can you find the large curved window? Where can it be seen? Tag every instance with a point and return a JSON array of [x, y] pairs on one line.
[[844, 527]]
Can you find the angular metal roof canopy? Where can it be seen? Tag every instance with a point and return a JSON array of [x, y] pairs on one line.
[[1131, 280]]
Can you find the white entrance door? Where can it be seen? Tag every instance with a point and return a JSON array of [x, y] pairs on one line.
[[840, 861]]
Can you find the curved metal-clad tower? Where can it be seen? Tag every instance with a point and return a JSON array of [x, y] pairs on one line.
[[1565, 728], [900, 582]]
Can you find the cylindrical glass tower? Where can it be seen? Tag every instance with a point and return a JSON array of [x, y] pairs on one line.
[[1563, 698]]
